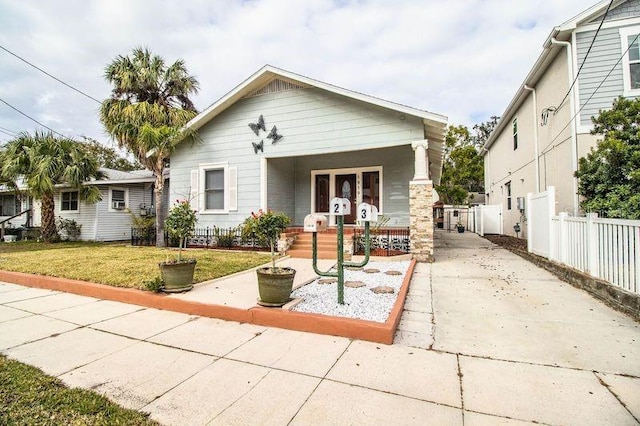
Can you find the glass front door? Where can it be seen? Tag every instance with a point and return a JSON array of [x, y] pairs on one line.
[[346, 188]]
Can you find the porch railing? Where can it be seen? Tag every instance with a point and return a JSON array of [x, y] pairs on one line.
[[384, 241], [209, 237]]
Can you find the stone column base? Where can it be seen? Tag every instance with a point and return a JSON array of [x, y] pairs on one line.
[[421, 220]]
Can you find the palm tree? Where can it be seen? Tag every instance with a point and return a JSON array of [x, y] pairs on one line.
[[44, 161], [147, 111]]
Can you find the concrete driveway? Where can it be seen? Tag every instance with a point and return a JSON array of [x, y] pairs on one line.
[[486, 338]]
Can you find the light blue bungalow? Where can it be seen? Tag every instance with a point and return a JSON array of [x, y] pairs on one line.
[[289, 143]]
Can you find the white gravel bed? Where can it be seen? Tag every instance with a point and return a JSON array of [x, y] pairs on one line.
[[360, 303]]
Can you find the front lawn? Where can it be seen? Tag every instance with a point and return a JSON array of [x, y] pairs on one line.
[[29, 397], [117, 264]]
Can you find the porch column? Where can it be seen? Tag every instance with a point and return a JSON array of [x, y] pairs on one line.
[[421, 160], [421, 206]]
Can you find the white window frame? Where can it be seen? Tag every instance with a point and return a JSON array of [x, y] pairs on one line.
[[66, 192], [202, 169], [626, 72], [358, 171], [514, 132], [126, 199]]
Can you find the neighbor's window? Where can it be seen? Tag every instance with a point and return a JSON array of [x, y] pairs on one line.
[[515, 134], [630, 39], [69, 201], [508, 187], [118, 199], [214, 189], [9, 205]]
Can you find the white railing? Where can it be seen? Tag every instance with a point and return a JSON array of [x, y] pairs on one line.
[[604, 248]]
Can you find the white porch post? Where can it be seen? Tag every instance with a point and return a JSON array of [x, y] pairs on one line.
[[421, 160], [421, 206]]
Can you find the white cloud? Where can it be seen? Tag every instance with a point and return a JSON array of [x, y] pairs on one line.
[[462, 58]]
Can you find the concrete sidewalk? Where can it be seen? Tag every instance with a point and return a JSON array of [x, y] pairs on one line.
[[486, 338]]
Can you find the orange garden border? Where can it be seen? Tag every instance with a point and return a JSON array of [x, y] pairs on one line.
[[315, 323]]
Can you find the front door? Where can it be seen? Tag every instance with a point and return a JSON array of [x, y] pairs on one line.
[[346, 188]]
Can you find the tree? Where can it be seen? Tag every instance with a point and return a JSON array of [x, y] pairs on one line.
[[483, 130], [44, 161], [147, 111], [463, 167], [108, 157], [609, 176]]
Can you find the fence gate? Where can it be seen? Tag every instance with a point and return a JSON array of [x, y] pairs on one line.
[[487, 219], [541, 208]]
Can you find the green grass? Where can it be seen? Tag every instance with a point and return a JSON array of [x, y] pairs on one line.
[[120, 264], [30, 397]]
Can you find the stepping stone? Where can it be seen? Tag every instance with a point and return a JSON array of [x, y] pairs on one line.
[[354, 284], [371, 270], [354, 268], [393, 273], [327, 280], [383, 289]]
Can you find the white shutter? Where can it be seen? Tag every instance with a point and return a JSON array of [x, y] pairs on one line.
[[193, 190], [233, 189]]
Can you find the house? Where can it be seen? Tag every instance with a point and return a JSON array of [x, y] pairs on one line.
[[109, 219], [545, 128], [286, 142]]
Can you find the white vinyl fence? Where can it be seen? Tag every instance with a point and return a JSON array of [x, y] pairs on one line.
[[608, 249], [486, 219]]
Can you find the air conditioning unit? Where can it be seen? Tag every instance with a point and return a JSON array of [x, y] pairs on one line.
[[118, 205]]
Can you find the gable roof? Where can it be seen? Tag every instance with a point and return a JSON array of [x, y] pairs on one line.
[[561, 32], [435, 125]]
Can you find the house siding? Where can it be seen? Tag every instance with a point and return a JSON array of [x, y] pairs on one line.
[[116, 225], [604, 54], [85, 216], [281, 185], [628, 9], [312, 122]]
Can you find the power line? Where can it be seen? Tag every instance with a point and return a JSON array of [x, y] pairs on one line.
[[31, 118], [52, 76], [585, 57], [7, 133], [8, 130], [592, 95]]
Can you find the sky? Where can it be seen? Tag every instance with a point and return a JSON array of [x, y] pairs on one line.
[[464, 59]]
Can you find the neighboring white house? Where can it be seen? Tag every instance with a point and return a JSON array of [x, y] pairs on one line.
[[287, 142], [107, 220], [537, 142]]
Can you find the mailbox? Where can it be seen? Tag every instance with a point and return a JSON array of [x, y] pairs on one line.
[[340, 206], [315, 223], [367, 213]]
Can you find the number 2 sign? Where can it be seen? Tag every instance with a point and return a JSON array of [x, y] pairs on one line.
[[340, 206]]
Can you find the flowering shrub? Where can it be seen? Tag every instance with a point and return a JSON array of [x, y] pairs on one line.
[[181, 222], [266, 226]]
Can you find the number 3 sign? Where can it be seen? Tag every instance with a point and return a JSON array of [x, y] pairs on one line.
[[367, 213]]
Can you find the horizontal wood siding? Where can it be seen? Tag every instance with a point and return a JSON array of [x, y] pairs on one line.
[[311, 121], [281, 185], [604, 54], [116, 225], [85, 216], [397, 171]]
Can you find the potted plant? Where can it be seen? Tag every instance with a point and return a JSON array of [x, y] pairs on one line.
[[460, 227], [177, 275], [274, 283]]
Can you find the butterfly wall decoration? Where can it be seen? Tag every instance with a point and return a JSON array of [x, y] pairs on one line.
[[273, 135], [257, 126], [258, 146]]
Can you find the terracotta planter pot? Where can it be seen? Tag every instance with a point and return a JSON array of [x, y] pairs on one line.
[[275, 288], [177, 277]]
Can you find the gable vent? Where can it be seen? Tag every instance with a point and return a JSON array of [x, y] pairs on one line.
[[275, 86]]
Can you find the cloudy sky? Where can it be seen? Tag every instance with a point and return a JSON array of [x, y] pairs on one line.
[[460, 58]]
